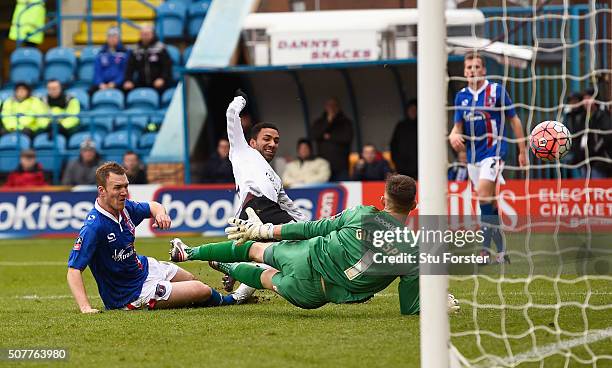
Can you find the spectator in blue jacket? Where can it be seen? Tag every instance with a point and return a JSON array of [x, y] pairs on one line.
[[110, 63], [372, 166]]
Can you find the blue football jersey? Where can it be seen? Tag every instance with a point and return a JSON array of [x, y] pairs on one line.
[[107, 247], [482, 114]]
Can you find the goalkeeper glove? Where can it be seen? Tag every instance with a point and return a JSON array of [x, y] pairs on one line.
[[453, 304], [250, 229]]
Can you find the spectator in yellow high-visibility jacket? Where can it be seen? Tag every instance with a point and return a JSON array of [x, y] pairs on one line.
[[28, 17], [60, 103], [26, 105]]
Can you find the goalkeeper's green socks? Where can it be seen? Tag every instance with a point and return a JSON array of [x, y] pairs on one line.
[[225, 251], [246, 273]]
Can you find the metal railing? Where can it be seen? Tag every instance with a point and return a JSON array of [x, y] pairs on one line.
[[60, 154]]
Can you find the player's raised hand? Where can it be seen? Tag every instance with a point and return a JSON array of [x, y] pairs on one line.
[[457, 141], [162, 222], [453, 304]]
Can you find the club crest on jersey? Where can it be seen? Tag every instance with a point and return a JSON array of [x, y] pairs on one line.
[[128, 222], [77, 243]]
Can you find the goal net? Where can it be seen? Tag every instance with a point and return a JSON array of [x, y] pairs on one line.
[[552, 305]]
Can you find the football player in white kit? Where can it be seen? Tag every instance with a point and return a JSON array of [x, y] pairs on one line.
[[259, 187]]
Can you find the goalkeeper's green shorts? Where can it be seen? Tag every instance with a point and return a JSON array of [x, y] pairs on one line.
[[297, 281]]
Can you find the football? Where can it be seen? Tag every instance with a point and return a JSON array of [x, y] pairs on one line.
[[550, 140]]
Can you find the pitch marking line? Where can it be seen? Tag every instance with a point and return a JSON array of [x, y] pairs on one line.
[[550, 349], [34, 263]]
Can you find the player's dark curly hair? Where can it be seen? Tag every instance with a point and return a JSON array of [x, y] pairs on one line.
[[401, 190], [259, 126], [105, 170]]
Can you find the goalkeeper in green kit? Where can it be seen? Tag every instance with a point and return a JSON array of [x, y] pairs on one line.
[[316, 262]]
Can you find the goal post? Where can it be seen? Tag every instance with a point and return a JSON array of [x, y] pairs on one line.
[[432, 126]]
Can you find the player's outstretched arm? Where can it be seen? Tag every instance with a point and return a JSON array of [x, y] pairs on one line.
[[77, 287], [158, 212], [517, 129], [235, 134]]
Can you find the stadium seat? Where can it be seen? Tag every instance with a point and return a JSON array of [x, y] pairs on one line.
[[137, 117], [60, 63], [187, 54], [97, 121], [5, 94], [121, 140], [76, 139], [143, 98], [26, 63], [44, 142], [166, 97], [40, 92], [195, 17], [171, 17], [147, 140], [46, 153], [108, 98], [8, 161], [14, 142], [85, 70], [80, 94]]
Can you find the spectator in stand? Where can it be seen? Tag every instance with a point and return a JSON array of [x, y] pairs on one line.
[[28, 21], [29, 173], [458, 172], [306, 169], [333, 133], [371, 166], [404, 149], [149, 64], [111, 63], [595, 146], [82, 170], [60, 103], [23, 103], [218, 168], [135, 170]]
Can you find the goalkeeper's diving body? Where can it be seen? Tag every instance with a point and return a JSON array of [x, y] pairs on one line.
[[259, 187], [315, 262]]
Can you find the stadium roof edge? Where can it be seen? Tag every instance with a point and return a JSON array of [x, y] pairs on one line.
[[269, 68]]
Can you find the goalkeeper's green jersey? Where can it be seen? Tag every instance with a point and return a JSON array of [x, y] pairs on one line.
[[340, 255]]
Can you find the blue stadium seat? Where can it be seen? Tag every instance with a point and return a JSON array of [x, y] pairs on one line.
[[14, 142], [60, 63], [96, 122], [137, 117], [80, 94], [171, 17], [187, 54], [108, 98], [147, 140], [85, 70], [166, 97], [46, 153], [76, 139], [26, 63], [121, 140], [195, 17], [40, 92], [5, 94], [44, 142], [144, 98]]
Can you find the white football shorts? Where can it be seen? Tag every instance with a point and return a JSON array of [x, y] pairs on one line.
[[488, 169], [157, 286]]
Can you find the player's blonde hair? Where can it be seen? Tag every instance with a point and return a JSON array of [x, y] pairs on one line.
[[105, 170], [470, 55], [400, 192]]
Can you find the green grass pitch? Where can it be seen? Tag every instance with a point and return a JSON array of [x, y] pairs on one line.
[[36, 310]]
